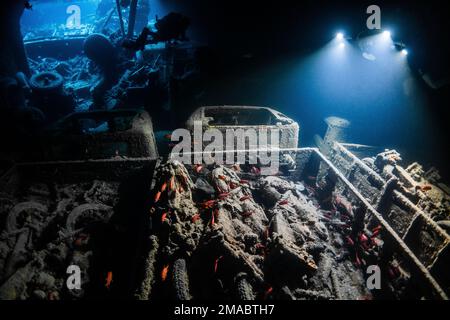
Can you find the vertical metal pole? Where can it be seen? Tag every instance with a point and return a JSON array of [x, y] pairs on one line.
[[132, 18], [119, 13]]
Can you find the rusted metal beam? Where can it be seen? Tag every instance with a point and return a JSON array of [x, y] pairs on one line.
[[416, 210], [377, 178], [119, 13], [406, 251], [132, 18], [397, 194]]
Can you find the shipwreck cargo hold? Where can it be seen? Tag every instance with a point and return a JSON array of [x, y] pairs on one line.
[[139, 161]]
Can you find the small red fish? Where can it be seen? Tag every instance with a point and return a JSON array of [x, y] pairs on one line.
[[268, 292], [109, 279], [363, 238], [198, 168], [255, 170], [426, 187], [212, 219], [195, 217], [377, 228], [357, 260], [157, 196], [223, 195], [164, 272], [216, 263], [375, 233], [221, 177], [350, 241], [245, 198], [208, 204], [243, 181], [327, 215], [164, 187], [163, 216], [233, 185], [283, 202], [246, 213]]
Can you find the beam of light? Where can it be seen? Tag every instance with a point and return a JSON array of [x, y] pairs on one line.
[[387, 34], [340, 36], [404, 52]]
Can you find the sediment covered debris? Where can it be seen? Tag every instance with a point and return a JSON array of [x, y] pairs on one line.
[[223, 236], [46, 228]]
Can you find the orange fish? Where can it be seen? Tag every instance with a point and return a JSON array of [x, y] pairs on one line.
[[163, 217], [163, 187], [221, 177], [426, 187], [109, 279], [195, 217], [164, 272], [157, 196]]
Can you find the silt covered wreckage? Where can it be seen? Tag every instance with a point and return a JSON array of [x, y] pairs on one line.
[[99, 189]]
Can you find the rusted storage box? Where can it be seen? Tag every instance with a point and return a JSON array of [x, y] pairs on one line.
[[102, 135], [247, 117]]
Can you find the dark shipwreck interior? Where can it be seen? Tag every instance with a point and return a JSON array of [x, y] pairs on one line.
[[224, 150]]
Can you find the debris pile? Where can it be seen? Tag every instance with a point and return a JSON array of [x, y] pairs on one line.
[[45, 229], [217, 235]]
